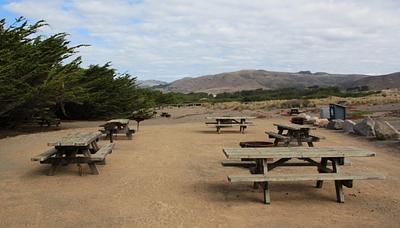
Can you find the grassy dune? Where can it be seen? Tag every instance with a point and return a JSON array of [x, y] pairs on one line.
[[386, 97]]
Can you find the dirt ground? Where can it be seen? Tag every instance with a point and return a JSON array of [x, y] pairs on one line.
[[170, 175]]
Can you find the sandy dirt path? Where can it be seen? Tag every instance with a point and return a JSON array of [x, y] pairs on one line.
[[170, 175]]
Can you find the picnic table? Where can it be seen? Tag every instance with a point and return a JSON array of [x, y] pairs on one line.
[[261, 175], [293, 132], [294, 111], [117, 126], [77, 148], [229, 121]]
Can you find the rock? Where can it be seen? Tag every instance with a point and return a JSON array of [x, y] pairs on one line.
[[321, 122], [335, 124], [385, 131], [365, 127], [304, 116], [312, 120], [348, 126]]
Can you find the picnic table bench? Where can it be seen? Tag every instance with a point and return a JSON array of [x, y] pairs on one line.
[[228, 121], [77, 148], [294, 132], [117, 126], [261, 174], [42, 121]]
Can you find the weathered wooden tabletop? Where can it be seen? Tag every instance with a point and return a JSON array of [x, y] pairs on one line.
[[120, 121], [296, 152], [296, 127], [77, 139]]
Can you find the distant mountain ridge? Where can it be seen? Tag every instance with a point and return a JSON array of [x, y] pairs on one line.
[[262, 79], [150, 83], [388, 81]]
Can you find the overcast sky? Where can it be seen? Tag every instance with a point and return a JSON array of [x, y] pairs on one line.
[[170, 39]]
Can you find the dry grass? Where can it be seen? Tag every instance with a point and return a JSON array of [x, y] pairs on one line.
[[386, 97]]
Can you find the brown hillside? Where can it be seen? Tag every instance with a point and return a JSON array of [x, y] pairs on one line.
[[256, 79]]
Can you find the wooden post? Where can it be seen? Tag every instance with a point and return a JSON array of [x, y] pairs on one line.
[[276, 141], [338, 183], [55, 164], [267, 199], [258, 170], [324, 163], [110, 132]]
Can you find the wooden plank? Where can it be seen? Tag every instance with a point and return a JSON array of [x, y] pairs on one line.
[[45, 155], [296, 152], [277, 135], [231, 124], [120, 121], [292, 126], [238, 163], [230, 117], [304, 177], [102, 153], [76, 139]]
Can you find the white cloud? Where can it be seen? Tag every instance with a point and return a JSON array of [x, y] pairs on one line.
[[174, 38]]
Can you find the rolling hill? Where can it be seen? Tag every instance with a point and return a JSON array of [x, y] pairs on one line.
[[388, 81], [261, 79]]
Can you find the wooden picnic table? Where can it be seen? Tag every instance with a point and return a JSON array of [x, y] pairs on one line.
[[122, 122], [117, 126], [76, 148], [261, 175], [294, 132], [229, 121]]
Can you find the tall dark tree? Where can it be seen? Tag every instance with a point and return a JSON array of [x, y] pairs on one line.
[[32, 71]]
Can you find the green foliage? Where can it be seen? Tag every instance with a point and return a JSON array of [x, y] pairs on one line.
[[100, 92], [31, 70], [41, 76], [287, 94]]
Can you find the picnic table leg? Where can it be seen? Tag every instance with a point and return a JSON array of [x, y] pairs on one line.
[[55, 165], [258, 170], [307, 135], [93, 168], [94, 145], [297, 134], [338, 183], [128, 133], [324, 163], [276, 141], [92, 165], [53, 168], [265, 185], [110, 133]]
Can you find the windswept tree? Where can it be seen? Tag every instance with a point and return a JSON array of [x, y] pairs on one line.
[[42, 76], [32, 70]]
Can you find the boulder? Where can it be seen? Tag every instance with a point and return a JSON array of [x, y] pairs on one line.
[[335, 124], [312, 120], [365, 127], [321, 122], [385, 131], [348, 126], [304, 116]]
